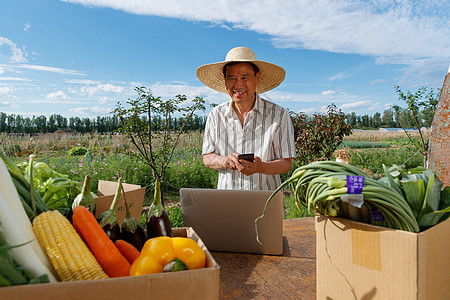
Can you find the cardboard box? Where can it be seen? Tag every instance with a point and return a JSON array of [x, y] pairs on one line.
[[189, 284], [361, 261], [133, 193]]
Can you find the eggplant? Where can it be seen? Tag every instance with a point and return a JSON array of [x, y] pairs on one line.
[[131, 231], [85, 198], [158, 223], [108, 219]]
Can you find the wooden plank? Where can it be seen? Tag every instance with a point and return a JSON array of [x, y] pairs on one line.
[[291, 275]]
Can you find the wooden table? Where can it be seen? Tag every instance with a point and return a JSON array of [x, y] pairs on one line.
[[291, 275]]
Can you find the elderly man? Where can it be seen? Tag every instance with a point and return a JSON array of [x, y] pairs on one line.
[[247, 123]]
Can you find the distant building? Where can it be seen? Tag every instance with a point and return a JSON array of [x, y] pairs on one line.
[[398, 129]]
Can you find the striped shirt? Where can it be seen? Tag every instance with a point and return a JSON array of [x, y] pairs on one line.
[[267, 132]]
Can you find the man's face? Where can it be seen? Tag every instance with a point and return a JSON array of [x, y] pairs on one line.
[[241, 82]]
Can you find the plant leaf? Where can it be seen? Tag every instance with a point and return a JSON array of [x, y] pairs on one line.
[[414, 192], [431, 202]]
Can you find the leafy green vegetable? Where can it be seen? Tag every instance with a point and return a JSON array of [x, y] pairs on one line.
[[428, 216], [423, 191], [414, 192], [57, 190]]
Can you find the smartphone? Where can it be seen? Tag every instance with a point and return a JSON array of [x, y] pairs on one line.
[[248, 156]]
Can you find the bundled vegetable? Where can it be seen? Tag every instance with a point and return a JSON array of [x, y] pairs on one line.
[[158, 223], [85, 198], [11, 272], [17, 229], [69, 255], [422, 189], [335, 189], [128, 250], [104, 250], [40, 188], [108, 219], [131, 231], [31, 201], [56, 190]]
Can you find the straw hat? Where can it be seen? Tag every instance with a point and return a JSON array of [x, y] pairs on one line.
[[270, 75]]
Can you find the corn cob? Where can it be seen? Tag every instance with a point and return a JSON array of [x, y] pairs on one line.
[[67, 252]]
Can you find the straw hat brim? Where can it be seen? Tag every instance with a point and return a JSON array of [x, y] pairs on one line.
[[270, 75]]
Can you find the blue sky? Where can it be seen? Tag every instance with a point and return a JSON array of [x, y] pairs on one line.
[[80, 57]]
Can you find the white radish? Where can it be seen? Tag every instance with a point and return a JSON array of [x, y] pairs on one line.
[[17, 228]]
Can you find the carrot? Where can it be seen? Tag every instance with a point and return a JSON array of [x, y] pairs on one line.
[[108, 256], [128, 250]]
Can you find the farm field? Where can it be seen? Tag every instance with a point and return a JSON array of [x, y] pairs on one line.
[[106, 157]]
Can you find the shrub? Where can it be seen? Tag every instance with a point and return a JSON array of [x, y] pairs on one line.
[[318, 136], [77, 151]]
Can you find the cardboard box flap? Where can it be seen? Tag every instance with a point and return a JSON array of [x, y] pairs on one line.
[[133, 193], [106, 188]]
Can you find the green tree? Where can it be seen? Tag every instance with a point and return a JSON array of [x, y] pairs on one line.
[[86, 125], [387, 119], [40, 123], [376, 120], [19, 124], [155, 145], [420, 99], [28, 125], [51, 123], [3, 118]]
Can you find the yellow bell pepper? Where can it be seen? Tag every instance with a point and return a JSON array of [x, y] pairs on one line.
[[159, 251]]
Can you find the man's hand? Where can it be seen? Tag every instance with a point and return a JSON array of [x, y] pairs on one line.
[[249, 167], [217, 162]]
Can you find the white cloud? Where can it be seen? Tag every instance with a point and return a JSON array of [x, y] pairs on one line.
[[79, 81], [57, 95], [360, 107], [329, 92], [108, 88], [5, 90], [26, 27], [103, 100], [353, 105], [10, 104], [310, 110], [410, 32], [377, 81], [18, 69], [14, 79], [17, 55], [48, 69], [373, 28], [91, 110]]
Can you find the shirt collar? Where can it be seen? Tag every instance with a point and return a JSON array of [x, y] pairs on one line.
[[257, 107]]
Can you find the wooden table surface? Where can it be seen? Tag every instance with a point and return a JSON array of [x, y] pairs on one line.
[[289, 276]]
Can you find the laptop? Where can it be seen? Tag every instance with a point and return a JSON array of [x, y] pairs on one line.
[[225, 219]]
